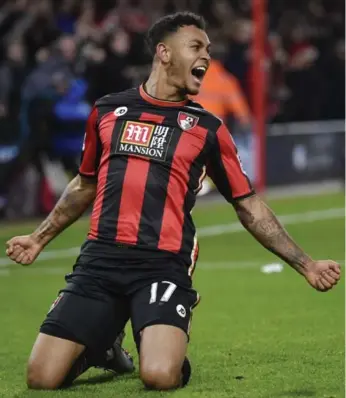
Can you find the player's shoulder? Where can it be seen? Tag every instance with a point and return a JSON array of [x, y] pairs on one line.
[[121, 98], [208, 117]]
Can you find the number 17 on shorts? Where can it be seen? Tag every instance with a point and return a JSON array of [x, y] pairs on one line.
[[163, 302]]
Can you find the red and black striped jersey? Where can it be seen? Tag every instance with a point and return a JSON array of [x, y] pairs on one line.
[[149, 158]]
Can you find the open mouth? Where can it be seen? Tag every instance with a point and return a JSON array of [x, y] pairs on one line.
[[198, 72]]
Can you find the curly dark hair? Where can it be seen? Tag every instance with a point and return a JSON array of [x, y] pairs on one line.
[[170, 24]]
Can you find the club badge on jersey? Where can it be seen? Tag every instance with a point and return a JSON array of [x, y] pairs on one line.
[[187, 121]]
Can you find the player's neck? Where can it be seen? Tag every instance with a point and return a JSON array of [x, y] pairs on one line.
[[158, 87]]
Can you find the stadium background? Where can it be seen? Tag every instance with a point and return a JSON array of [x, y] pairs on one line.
[[256, 334], [57, 57]]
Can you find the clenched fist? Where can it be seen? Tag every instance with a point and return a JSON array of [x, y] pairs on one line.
[[323, 275], [23, 249]]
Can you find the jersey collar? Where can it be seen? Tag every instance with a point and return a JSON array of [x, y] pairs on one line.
[[158, 102]]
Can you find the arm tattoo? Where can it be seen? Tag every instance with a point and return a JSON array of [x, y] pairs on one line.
[[261, 222], [72, 204]]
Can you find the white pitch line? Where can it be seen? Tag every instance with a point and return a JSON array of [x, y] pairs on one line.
[[309, 216], [46, 255], [33, 270], [214, 230]]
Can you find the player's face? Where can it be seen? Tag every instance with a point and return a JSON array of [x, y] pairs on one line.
[[189, 59]]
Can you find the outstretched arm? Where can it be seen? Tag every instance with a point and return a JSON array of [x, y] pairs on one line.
[[262, 223], [227, 173], [77, 197]]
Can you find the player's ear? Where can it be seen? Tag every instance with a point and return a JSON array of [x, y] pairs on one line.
[[163, 52]]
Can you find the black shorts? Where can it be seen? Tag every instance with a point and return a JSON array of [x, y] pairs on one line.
[[101, 297]]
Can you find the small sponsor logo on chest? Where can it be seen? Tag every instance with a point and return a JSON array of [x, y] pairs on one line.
[[144, 139]]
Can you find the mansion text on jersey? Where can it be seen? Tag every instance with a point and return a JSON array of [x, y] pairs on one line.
[[129, 148]]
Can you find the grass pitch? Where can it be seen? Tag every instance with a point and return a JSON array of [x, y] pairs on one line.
[[254, 335]]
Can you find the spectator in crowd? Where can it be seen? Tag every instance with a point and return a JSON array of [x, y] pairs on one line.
[[61, 59], [69, 114], [42, 31], [237, 60], [13, 72], [302, 76], [108, 68]]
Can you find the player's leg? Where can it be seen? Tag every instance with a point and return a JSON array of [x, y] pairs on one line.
[[85, 315], [116, 359], [161, 315], [162, 353], [51, 359]]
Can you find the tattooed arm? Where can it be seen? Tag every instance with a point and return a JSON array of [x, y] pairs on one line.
[[77, 197], [262, 223]]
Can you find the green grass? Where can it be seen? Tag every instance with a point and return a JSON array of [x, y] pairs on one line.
[[254, 335]]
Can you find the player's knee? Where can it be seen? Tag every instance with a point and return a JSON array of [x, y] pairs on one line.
[[160, 376], [38, 378]]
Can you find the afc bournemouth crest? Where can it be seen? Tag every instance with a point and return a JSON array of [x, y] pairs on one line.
[[187, 121]]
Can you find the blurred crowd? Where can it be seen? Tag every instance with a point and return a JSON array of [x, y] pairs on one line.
[[49, 43], [58, 56]]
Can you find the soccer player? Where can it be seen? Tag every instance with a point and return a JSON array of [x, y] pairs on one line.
[[145, 155]]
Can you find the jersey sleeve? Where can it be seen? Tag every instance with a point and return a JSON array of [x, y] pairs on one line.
[[225, 169], [91, 151]]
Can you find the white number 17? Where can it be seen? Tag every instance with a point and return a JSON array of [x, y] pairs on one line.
[[166, 295]]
